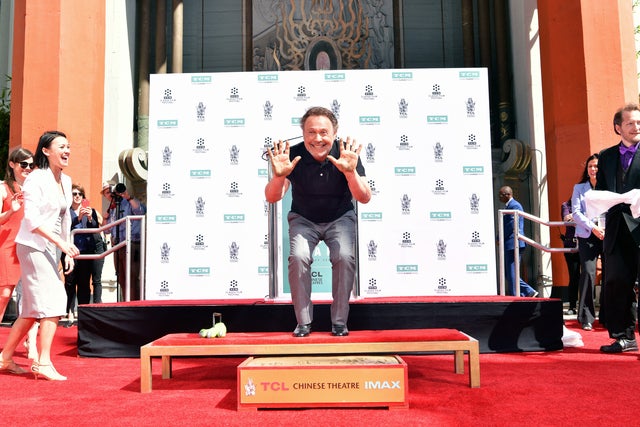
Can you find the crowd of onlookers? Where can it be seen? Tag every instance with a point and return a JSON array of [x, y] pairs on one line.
[[40, 208], [607, 240]]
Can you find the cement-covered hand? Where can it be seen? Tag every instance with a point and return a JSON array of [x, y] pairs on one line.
[[218, 330]]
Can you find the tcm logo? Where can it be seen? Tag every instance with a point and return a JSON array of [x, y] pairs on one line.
[[369, 120], [371, 216], [234, 122], [295, 121], [199, 271], [267, 78], [233, 217], [167, 123], [263, 270], [467, 75], [262, 173], [477, 268], [334, 77], [440, 216], [404, 170], [473, 170], [407, 268], [200, 79], [200, 173], [399, 75], [165, 219], [437, 119]]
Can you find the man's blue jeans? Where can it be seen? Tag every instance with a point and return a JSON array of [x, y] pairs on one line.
[[340, 238]]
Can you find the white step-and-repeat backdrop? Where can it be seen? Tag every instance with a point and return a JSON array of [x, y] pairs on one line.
[[428, 229]]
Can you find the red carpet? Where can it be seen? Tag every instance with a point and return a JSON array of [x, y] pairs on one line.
[[570, 387]]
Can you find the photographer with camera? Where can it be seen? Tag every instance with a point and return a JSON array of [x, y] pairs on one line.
[[121, 205]]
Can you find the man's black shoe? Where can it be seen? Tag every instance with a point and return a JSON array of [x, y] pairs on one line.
[[620, 345], [302, 330], [339, 330]]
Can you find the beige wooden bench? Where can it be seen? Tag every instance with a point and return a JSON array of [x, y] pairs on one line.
[[403, 341]]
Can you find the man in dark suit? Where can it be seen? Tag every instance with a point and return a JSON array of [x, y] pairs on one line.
[[506, 196], [619, 172]]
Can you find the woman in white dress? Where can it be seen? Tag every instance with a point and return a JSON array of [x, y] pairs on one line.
[[42, 237]]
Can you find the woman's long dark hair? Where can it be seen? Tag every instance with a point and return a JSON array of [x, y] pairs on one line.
[[585, 172], [40, 159], [16, 156]]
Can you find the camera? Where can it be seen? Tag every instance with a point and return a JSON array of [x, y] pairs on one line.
[[118, 189]]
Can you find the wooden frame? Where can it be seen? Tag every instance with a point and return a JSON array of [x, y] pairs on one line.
[[272, 343]]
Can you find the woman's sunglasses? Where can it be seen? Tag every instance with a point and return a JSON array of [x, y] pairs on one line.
[[27, 165]]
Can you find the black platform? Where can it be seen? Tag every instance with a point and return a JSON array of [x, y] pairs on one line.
[[500, 324]]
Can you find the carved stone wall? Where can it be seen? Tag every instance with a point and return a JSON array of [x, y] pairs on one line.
[[322, 34]]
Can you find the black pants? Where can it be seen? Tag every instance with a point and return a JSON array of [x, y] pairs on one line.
[[86, 272], [620, 275], [573, 265], [96, 279], [590, 249]]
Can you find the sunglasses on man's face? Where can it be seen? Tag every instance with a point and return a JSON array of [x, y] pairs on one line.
[[75, 193], [27, 165]]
